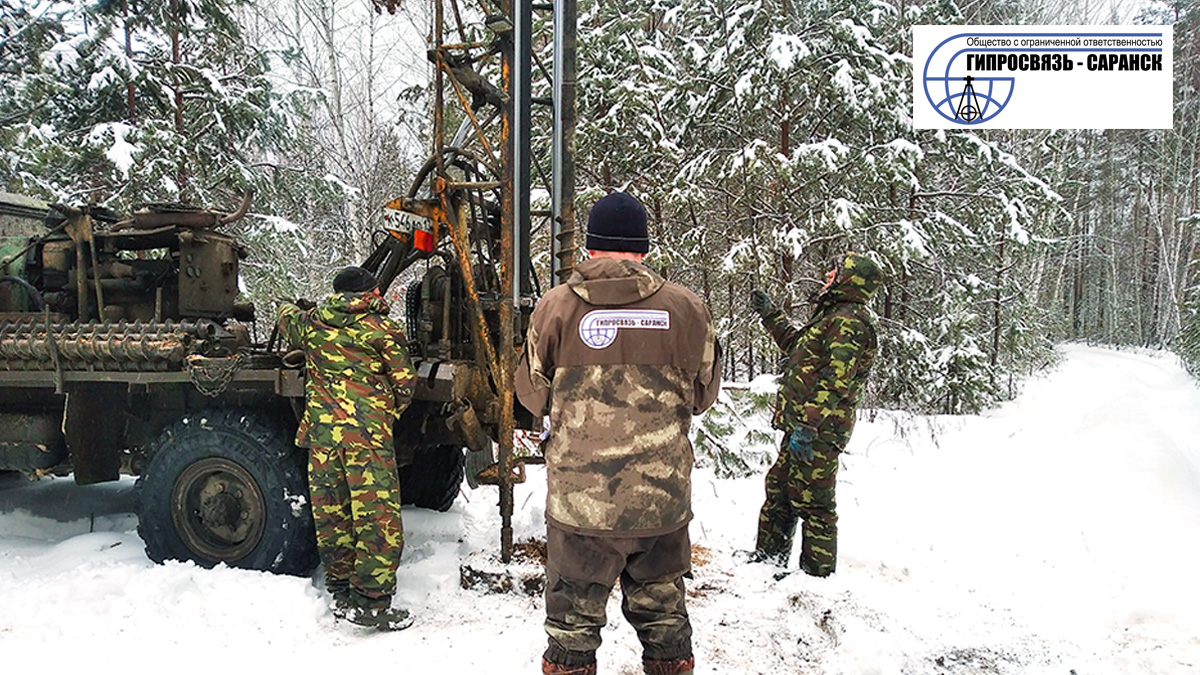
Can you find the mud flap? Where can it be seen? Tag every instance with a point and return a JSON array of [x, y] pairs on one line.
[[94, 426]]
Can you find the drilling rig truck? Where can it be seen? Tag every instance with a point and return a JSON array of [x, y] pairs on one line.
[[125, 347]]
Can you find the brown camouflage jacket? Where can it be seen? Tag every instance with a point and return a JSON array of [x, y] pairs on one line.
[[620, 360], [358, 374], [828, 359]]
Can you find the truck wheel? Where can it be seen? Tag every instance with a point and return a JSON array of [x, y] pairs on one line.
[[433, 479], [227, 486]]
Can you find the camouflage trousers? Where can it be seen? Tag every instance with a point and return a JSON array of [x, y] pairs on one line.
[[797, 490], [581, 571], [355, 496]]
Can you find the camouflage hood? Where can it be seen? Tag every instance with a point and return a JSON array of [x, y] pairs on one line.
[[609, 281], [858, 279], [346, 309]]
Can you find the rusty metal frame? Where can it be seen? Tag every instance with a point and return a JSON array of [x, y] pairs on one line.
[[482, 138]]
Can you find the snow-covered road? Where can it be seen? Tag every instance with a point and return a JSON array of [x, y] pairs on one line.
[[1057, 534]]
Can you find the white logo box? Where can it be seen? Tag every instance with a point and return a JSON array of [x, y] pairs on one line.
[[1042, 77]]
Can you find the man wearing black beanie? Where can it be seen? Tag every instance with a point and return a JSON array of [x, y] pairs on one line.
[[358, 380], [617, 223], [620, 360]]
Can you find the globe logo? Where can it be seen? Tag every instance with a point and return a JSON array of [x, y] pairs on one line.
[[597, 337], [598, 328], [963, 99]]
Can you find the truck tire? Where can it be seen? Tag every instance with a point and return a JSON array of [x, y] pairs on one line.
[[227, 486], [433, 479]]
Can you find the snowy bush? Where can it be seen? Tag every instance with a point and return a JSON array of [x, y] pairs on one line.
[[735, 437]]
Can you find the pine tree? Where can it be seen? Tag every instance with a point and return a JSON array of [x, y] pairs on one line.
[[127, 102], [768, 137]]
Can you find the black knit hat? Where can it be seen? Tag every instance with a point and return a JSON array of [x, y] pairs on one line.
[[618, 223], [354, 280]]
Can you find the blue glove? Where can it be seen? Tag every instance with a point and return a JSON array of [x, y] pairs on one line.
[[801, 443]]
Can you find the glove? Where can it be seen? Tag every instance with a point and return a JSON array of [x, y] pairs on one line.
[[761, 303], [305, 304], [800, 443]]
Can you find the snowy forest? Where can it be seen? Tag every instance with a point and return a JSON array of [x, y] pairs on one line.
[[764, 137]]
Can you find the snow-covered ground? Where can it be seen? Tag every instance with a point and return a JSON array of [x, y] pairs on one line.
[[1057, 534]]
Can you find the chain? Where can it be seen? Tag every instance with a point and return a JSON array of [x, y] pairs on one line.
[[212, 375]]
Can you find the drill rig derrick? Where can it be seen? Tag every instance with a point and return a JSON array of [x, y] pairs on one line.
[[481, 202]]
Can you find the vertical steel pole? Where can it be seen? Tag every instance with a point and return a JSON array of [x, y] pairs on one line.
[[514, 239], [562, 207], [522, 81]]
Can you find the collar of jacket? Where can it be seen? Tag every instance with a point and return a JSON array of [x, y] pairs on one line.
[[842, 292], [609, 281], [344, 309]]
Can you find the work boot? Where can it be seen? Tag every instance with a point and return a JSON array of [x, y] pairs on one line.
[[384, 619], [761, 556], [377, 613], [672, 667], [339, 589], [551, 668]]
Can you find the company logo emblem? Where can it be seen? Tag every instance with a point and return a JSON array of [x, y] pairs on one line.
[[956, 96], [598, 328], [971, 75]]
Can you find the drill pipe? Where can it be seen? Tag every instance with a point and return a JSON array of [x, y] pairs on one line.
[[24, 345]]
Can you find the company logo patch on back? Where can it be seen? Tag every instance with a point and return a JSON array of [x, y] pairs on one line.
[[598, 328]]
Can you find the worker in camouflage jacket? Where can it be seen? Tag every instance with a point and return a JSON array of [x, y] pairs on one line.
[[358, 380], [620, 360], [827, 362]]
